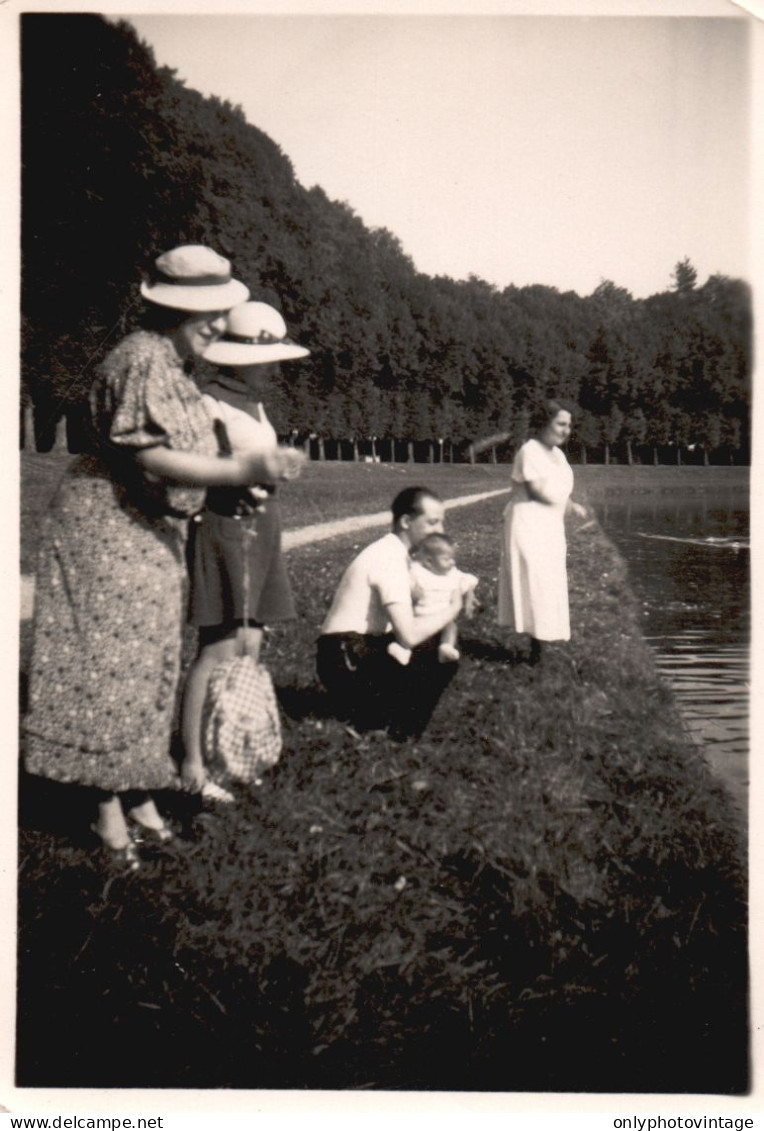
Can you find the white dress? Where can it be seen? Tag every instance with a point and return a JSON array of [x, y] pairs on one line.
[[431, 592], [533, 578]]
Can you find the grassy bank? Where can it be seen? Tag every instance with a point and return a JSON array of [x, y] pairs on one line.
[[544, 893]]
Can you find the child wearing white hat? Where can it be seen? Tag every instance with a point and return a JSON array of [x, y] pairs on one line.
[[222, 570]]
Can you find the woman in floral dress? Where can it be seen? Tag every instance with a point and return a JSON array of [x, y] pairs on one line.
[[109, 600]]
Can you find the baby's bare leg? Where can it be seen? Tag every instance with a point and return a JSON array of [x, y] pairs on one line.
[[450, 634], [447, 650]]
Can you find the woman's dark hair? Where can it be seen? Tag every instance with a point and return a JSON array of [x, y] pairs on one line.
[[544, 412], [162, 319]]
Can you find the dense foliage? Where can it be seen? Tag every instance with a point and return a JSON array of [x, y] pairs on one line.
[[122, 160]]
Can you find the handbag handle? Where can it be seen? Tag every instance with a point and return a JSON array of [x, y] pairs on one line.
[[247, 531]]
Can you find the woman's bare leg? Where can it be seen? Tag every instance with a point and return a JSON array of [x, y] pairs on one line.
[[111, 825], [252, 638], [145, 812]]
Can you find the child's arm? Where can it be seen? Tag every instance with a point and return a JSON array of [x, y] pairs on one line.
[[467, 585], [193, 469]]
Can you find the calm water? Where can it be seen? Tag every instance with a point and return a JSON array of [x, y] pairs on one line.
[[689, 562]]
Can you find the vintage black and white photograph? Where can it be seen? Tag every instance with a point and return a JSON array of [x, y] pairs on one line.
[[384, 646]]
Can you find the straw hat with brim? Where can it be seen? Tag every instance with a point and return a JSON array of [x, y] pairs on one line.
[[194, 278], [255, 334]]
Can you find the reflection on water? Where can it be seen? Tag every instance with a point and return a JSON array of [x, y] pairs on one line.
[[689, 567]]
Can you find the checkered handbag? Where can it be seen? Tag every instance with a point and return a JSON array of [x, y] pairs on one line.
[[241, 726]]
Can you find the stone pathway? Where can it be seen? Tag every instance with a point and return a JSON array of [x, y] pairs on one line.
[[306, 535], [292, 539]]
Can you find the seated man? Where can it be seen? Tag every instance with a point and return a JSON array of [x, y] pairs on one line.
[[372, 608]]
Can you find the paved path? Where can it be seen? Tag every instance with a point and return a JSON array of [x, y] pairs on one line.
[[306, 535], [322, 530]]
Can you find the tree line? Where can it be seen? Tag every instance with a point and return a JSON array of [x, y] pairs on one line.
[[121, 160]]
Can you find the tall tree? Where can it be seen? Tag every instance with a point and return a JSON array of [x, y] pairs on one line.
[[684, 277], [143, 162], [612, 428]]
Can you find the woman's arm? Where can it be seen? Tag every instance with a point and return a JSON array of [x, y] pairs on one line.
[[192, 469], [536, 489], [577, 509]]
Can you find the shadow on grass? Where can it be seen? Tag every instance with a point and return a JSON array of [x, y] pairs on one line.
[[305, 701], [67, 811], [492, 652], [55, 807]]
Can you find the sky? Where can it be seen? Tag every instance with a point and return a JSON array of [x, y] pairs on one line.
[[522, 149]]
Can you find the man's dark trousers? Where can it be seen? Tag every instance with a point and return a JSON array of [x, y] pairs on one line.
[[373, 691]]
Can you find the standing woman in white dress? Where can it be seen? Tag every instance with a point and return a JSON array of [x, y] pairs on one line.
[[533, 578]]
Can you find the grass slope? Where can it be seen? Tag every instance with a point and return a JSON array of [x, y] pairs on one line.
[[544, 893]]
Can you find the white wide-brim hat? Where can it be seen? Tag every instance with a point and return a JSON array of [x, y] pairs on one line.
[[255, 334], [194, 278]]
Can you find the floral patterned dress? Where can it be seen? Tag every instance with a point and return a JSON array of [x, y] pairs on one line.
[[110, 588]]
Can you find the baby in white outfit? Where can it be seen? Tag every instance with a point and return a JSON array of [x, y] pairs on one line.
[[434, 577]]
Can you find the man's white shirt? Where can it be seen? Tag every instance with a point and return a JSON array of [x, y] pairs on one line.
[[378, 577]]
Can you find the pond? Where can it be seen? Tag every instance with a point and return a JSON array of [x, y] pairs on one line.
[[688, 558]]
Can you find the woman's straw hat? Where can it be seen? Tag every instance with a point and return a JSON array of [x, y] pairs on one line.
[[255, 333], [194, 278]]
